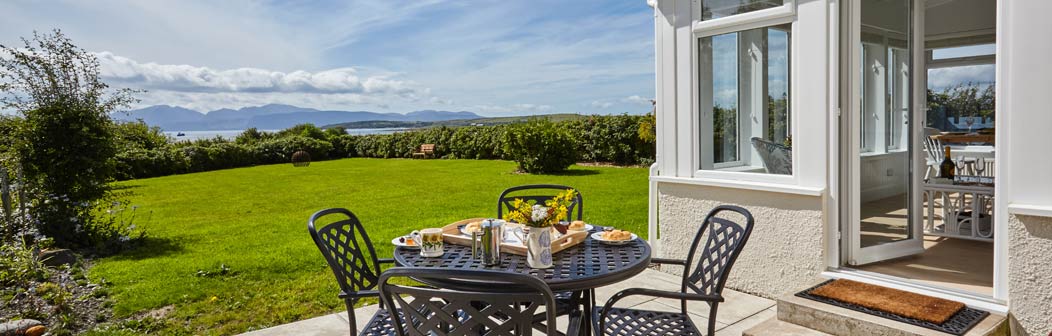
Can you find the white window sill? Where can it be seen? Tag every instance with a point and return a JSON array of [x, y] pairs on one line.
[[742, 169], [1030, 210], [746, 185]]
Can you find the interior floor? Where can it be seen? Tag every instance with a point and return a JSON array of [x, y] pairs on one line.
[[946, 262]]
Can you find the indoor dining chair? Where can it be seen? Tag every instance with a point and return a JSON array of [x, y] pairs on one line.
[[350, 254], [703, 281], [475, 302]]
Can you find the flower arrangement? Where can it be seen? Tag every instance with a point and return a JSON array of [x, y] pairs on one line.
[[535, 215]]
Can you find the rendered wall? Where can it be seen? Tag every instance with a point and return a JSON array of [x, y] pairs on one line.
[[785, 251], [1030, 275]]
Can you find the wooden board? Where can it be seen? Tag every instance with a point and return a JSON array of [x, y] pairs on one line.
[[964, 138], [451, 234]]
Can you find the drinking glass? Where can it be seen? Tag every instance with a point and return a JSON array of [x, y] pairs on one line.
[[961, 164], [980, 165], [431, 243]]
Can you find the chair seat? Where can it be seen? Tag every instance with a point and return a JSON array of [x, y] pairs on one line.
[[380, 324], [623, 322]]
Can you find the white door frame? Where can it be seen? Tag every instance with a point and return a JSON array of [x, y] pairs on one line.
[[835, 248], [914, 244]]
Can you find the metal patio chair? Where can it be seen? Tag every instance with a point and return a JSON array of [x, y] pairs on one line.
[[777, 158], [506, 197], [350, 254], [540, 193], [478, 302], [724, 240]]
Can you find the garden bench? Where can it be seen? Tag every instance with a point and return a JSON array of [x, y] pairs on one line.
[[425, 151]]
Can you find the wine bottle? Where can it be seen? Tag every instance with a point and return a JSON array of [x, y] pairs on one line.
[[947, 168]]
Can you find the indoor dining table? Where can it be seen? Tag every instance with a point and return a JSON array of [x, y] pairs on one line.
[[578, 269]]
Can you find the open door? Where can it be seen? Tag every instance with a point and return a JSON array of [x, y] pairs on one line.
[[880, 124]]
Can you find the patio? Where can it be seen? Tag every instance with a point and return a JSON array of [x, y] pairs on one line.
[[740, 312]]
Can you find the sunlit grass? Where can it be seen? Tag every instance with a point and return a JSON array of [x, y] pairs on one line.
[[254, 220]]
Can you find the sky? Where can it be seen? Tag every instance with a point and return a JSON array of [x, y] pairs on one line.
[[491, 57]]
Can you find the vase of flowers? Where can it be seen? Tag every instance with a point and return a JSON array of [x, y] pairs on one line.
[[538, 220]]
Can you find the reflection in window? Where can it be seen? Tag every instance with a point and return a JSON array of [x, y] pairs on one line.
[[744, 101], [714, 9]]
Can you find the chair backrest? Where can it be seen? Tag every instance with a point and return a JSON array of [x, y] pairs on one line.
[[934, 149], [426, 148], [347, 249], [506, 198], [777, 158], [483, 302], [724, 241]]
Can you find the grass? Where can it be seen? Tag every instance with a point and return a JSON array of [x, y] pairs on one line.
[[253, 222]]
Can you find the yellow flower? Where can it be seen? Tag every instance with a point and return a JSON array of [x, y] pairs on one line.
[[213, 299]]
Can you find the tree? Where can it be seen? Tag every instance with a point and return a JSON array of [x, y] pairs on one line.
[[65, 140]]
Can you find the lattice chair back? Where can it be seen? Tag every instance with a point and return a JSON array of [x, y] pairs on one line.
[[777, 158], [347, 249], [507, 197], [477, 302], [724, 241]]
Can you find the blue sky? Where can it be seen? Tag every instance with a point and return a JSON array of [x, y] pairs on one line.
[[491, 57]]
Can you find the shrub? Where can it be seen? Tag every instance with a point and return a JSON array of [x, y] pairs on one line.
[[614, 139], [141, 163], [540, 147], [218, 156], [280, 150], [138, 135], [304, 130], [65, 141], [252, 136]]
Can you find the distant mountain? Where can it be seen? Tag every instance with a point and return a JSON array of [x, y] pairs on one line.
[[271, 116], [432, 115], [170, 116]]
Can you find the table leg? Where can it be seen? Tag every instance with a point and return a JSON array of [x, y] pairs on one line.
[[586, 301]]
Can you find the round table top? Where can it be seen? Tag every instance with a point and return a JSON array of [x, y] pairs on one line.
[[588, 265]]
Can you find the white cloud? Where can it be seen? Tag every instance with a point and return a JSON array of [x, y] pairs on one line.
[[188, 78], [942, 78], [635, 99], [513, 109], [601, 104]]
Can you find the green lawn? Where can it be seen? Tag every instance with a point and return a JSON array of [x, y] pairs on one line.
[[254, 220]]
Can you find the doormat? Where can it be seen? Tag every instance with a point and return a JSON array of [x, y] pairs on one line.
[[920, 310]]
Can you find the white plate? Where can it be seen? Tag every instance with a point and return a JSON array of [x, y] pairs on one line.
[[395, 242], [599, 236]]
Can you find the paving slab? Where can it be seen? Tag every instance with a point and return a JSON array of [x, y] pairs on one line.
[[740, 312]]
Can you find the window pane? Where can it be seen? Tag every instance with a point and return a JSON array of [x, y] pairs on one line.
[[725, 91], [714, 9], [744, 101]]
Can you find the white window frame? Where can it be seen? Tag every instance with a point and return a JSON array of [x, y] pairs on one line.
[[785, 14]]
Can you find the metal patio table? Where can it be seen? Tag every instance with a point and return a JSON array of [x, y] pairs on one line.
[[578, 269]]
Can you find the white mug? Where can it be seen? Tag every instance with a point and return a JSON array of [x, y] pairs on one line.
[[431, 244]]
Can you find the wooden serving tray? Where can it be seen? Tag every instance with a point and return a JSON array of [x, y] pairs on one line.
[[451, 234]]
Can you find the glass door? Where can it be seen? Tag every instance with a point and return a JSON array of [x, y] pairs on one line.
[[881, 195]]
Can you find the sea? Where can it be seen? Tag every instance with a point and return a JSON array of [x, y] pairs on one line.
[[231, 134]]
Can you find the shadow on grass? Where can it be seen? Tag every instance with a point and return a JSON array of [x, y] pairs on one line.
[[150, 247], [575, 172]]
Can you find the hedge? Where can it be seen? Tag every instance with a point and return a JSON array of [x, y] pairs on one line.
[[608, 139]]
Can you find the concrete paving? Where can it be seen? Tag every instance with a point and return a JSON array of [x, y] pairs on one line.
[[740, 312]]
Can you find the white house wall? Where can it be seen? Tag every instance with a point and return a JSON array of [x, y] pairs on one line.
[[786, 251], [1024, 159]]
